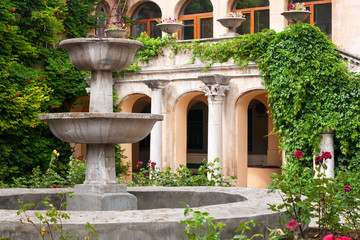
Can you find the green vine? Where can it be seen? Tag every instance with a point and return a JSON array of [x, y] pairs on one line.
[[309, 89]]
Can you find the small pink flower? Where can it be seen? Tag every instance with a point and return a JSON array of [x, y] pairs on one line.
[[347, 188], [299, 154], [139, 163], [292, 225], [329, 237], [153, 165], [345, 238]]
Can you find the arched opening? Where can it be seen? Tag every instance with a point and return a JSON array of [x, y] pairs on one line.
[[257, 153], [197, 18], [197, 132], [145, 20], [190, 130], [257, 134], [141, 150], [256, 13]]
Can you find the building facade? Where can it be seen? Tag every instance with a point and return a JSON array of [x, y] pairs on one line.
[[222, 113]]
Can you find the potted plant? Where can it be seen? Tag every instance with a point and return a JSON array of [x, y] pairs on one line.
[[116, 30], [297, 12], [169, 25], [232, 20]]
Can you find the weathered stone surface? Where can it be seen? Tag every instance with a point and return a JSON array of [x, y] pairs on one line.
[[100, 128], [107, 54], [101, 202], [158, 224]]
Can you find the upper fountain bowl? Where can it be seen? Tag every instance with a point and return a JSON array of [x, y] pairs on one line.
[[100, 128], [101, 54]]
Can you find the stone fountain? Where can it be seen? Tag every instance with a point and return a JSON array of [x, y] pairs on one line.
[[101, 128]]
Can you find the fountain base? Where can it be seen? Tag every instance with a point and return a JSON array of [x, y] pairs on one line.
[[99, 197]]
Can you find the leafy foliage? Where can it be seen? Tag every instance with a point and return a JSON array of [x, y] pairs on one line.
[[48, 222], [207, 175], [37, 78]]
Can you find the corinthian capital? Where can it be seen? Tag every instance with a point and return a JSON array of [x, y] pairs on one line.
[[215, 85]]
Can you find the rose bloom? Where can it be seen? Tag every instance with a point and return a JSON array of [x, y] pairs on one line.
[[318, 160], [139, 163], [326, 155], [299, 154], [347, 188], [331, 237], [292, 225]]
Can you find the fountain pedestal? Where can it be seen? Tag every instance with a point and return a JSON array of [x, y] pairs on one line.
[[100, 129]]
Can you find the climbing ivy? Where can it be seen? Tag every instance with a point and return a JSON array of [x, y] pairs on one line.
[[309, 88]]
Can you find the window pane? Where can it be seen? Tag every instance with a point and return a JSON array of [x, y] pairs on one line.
[[101, 23], [138, 29], [154, 30], [262, 20], [197, 6], [322, 17], [245, 26], [241, 4], [206, 28], [187, 32], [147, 11]]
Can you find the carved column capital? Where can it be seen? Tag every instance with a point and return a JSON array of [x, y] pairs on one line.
[[215, 92], [215, 86], [157, 83]]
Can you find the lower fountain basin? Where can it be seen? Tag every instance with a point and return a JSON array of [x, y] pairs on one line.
[[229, 205], [100, 128]]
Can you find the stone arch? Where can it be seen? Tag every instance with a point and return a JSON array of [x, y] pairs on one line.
[[253, 176], [180, 112]]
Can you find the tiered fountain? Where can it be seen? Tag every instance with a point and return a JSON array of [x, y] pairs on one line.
[[100, 129]]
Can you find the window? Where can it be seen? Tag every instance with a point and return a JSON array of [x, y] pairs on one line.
[[320, 14], [256, 13], [101, 22], [145, 20], [197, 17]]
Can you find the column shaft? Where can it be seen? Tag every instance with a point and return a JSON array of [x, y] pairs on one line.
[[215, 130], [156, 132], [101, 92], [100, 164]]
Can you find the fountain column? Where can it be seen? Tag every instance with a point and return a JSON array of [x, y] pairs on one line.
[[100, 163], [215, 87], [156, 87]]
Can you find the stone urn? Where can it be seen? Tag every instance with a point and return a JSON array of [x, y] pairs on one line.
[[116, 33], [170, 28], [296, 16], [231, 23], [101, 128]]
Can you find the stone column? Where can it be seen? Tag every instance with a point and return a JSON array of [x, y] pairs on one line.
[[215, 87], [156, 108], [277, 21], [327, 145]]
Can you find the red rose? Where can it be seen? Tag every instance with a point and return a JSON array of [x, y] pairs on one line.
[[298, 154], [318, 160], [347, 188], [326, 155]]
